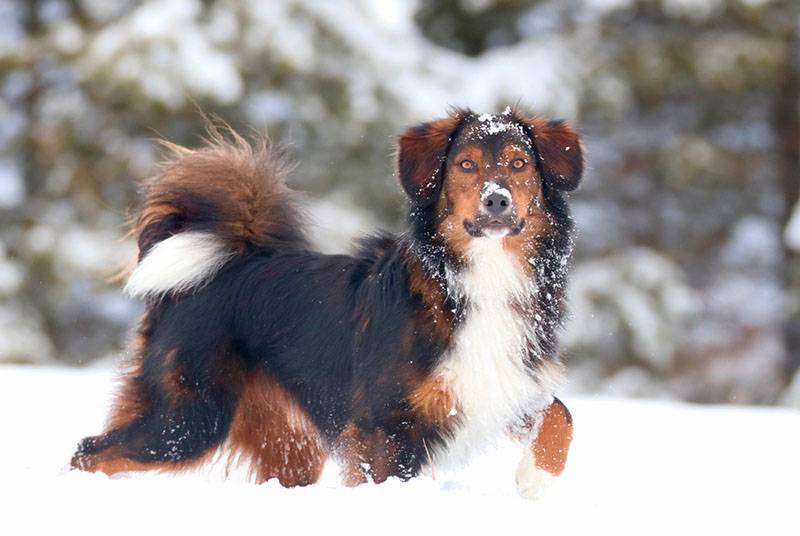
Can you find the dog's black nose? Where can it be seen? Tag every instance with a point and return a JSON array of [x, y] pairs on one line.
[[497, 203]]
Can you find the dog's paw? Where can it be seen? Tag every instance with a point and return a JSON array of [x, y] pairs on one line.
[[531, 481]]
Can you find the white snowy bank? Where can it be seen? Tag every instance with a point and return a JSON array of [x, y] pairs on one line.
[[635, 468]]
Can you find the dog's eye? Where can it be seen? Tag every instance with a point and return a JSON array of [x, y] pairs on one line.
[[467, 164], [518, 163]]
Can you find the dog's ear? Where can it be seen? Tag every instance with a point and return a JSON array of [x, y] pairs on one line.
[[421, 154], [559, 150]]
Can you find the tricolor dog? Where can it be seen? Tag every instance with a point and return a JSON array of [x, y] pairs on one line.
[[420, 349]]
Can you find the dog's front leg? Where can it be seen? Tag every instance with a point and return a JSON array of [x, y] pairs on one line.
[[545, 456]]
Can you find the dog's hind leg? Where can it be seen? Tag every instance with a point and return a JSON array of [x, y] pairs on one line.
[[169, 415], [546, 456], [273, 436], [173, 441]]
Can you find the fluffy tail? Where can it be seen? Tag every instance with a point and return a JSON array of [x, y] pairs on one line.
[[207, 206]]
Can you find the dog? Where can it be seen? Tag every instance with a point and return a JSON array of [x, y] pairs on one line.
[[417, 352]]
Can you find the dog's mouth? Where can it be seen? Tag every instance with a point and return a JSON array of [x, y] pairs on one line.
[[493, 227]]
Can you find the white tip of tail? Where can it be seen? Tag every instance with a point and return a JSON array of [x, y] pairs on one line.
[[177, 264]]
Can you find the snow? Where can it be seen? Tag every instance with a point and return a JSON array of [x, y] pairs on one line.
[[335, 221], [12, 187], [434, 76], [77, 250], [163, 49], [792, 233], [635, 467], [494, 124], [754, 243], [640, 292], [490, 188], [11, 274], [21, 335], [695, 9]]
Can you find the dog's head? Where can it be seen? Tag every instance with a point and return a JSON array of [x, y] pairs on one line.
[[490, 176]]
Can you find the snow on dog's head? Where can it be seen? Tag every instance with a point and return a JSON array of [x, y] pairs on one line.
[[489, 176]]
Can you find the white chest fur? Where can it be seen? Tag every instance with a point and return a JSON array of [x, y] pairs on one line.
[[485, 369]]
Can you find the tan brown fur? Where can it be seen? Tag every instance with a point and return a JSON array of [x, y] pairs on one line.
[[274, 436], [538, 224], [560, 149], [174, 381], [432, 316], [460, 199], [111, 461], [244, 182], [432, 403], [551, 446], [365, 454], [353, 453], [421, 155]]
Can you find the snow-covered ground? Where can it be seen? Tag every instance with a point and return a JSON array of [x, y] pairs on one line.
[[635, 468]]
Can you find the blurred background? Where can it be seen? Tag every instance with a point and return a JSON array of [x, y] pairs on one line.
[[686, 278]]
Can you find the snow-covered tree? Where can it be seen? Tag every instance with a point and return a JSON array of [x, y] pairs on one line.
[[686, 280]]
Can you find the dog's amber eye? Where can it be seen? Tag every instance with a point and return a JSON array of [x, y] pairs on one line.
[[518, 163], [469, 165]]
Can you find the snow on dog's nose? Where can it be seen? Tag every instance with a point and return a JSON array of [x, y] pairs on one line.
[[495, 199]]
